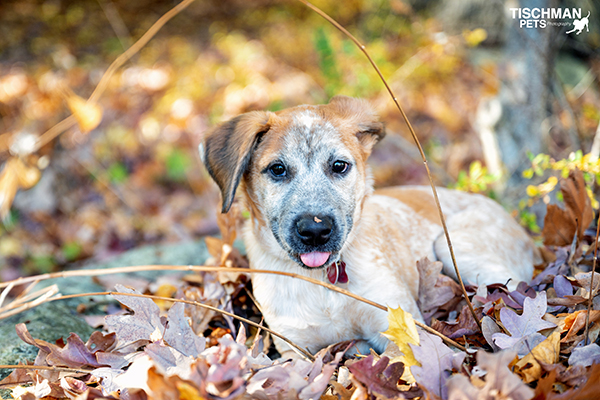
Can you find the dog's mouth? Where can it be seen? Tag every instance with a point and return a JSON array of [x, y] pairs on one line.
[[315, 259]]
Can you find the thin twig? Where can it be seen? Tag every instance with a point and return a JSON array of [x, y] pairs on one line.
[[70, 121], [48, 367], [414, 136], [141, 42], [591, 299], [109, 271]]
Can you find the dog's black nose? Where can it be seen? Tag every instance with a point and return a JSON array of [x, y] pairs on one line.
[[314, 230]]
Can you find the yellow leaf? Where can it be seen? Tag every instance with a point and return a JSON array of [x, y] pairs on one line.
[[402, 330], [474, 37], [546, 352], [165, 290], [88, 115], [188, 392], [532, 191]]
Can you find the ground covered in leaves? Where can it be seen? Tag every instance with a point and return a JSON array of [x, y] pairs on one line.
[[538, 341], [128, 174]]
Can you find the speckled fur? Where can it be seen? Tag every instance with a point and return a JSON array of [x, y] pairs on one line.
[[379, 236]]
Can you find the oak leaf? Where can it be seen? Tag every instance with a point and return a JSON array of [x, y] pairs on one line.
[[437, 362], [145, 322], [523, 328], [379, 378]]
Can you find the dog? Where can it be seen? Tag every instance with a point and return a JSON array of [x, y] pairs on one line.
[[305, 181], [579, 24]]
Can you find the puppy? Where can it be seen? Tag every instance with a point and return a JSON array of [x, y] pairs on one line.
[[304, 178]]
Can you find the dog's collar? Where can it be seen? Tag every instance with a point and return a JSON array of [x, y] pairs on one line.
[[336, 272]]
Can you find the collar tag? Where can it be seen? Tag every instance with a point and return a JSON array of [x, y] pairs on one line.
[[336, 272]]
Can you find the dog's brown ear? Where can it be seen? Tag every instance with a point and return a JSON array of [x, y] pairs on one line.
[[226, 150], [369, 129]]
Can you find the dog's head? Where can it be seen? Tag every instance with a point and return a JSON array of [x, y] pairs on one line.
[[303, 172]]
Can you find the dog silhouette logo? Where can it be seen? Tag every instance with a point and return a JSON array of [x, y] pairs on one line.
[[579, 24]]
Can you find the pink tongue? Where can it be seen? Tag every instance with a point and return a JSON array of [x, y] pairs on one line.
[[314, 259]]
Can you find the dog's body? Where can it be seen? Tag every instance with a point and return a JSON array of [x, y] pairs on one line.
[[308, 189]]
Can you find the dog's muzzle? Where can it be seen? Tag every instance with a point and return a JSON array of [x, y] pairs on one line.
[[314, 232]]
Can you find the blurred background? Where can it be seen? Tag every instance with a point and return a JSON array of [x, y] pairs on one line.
[[480, 91]]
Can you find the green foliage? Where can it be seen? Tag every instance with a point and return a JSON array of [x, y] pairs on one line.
[[177, 163], [477, 180], [117, 173], [327, 62], [41, 264], [528, 220], [542, 164], [71, 251]]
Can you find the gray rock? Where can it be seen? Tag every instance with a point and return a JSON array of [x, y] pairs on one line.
[[58, 319]]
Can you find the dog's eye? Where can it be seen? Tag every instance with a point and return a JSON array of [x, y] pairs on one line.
[[339, 167], [278, 170]]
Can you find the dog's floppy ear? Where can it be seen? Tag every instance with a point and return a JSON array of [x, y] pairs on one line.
[[369, 129], [226, 150]]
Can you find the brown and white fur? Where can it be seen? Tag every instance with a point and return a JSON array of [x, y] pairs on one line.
[[379, 235]]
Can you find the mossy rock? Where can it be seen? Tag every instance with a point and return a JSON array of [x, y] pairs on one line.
[[58, 319]]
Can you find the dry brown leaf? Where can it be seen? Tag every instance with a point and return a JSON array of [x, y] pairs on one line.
[[546, 352], [15, 175], [222, 251], [87, 114], [576, 321], [560, 225], [587, 391], [16, 378]]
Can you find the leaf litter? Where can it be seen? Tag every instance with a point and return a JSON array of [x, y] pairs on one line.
[[533, 342]]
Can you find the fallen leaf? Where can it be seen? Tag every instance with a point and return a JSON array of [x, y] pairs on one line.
[[562, 286], [16, 175], [587, 391], [500, 382], [169, 361], [16, 378], [574, 322], [435, 289], [87, 114], [545, 385], [560, 226], [180, 335], [525, 325], [585, 355], [144, 324], [219, 372], [546, 352], [74, 355], [488, 329], [402, 331], [465, 324], [437, 362], [585, 280], [379, 378]]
